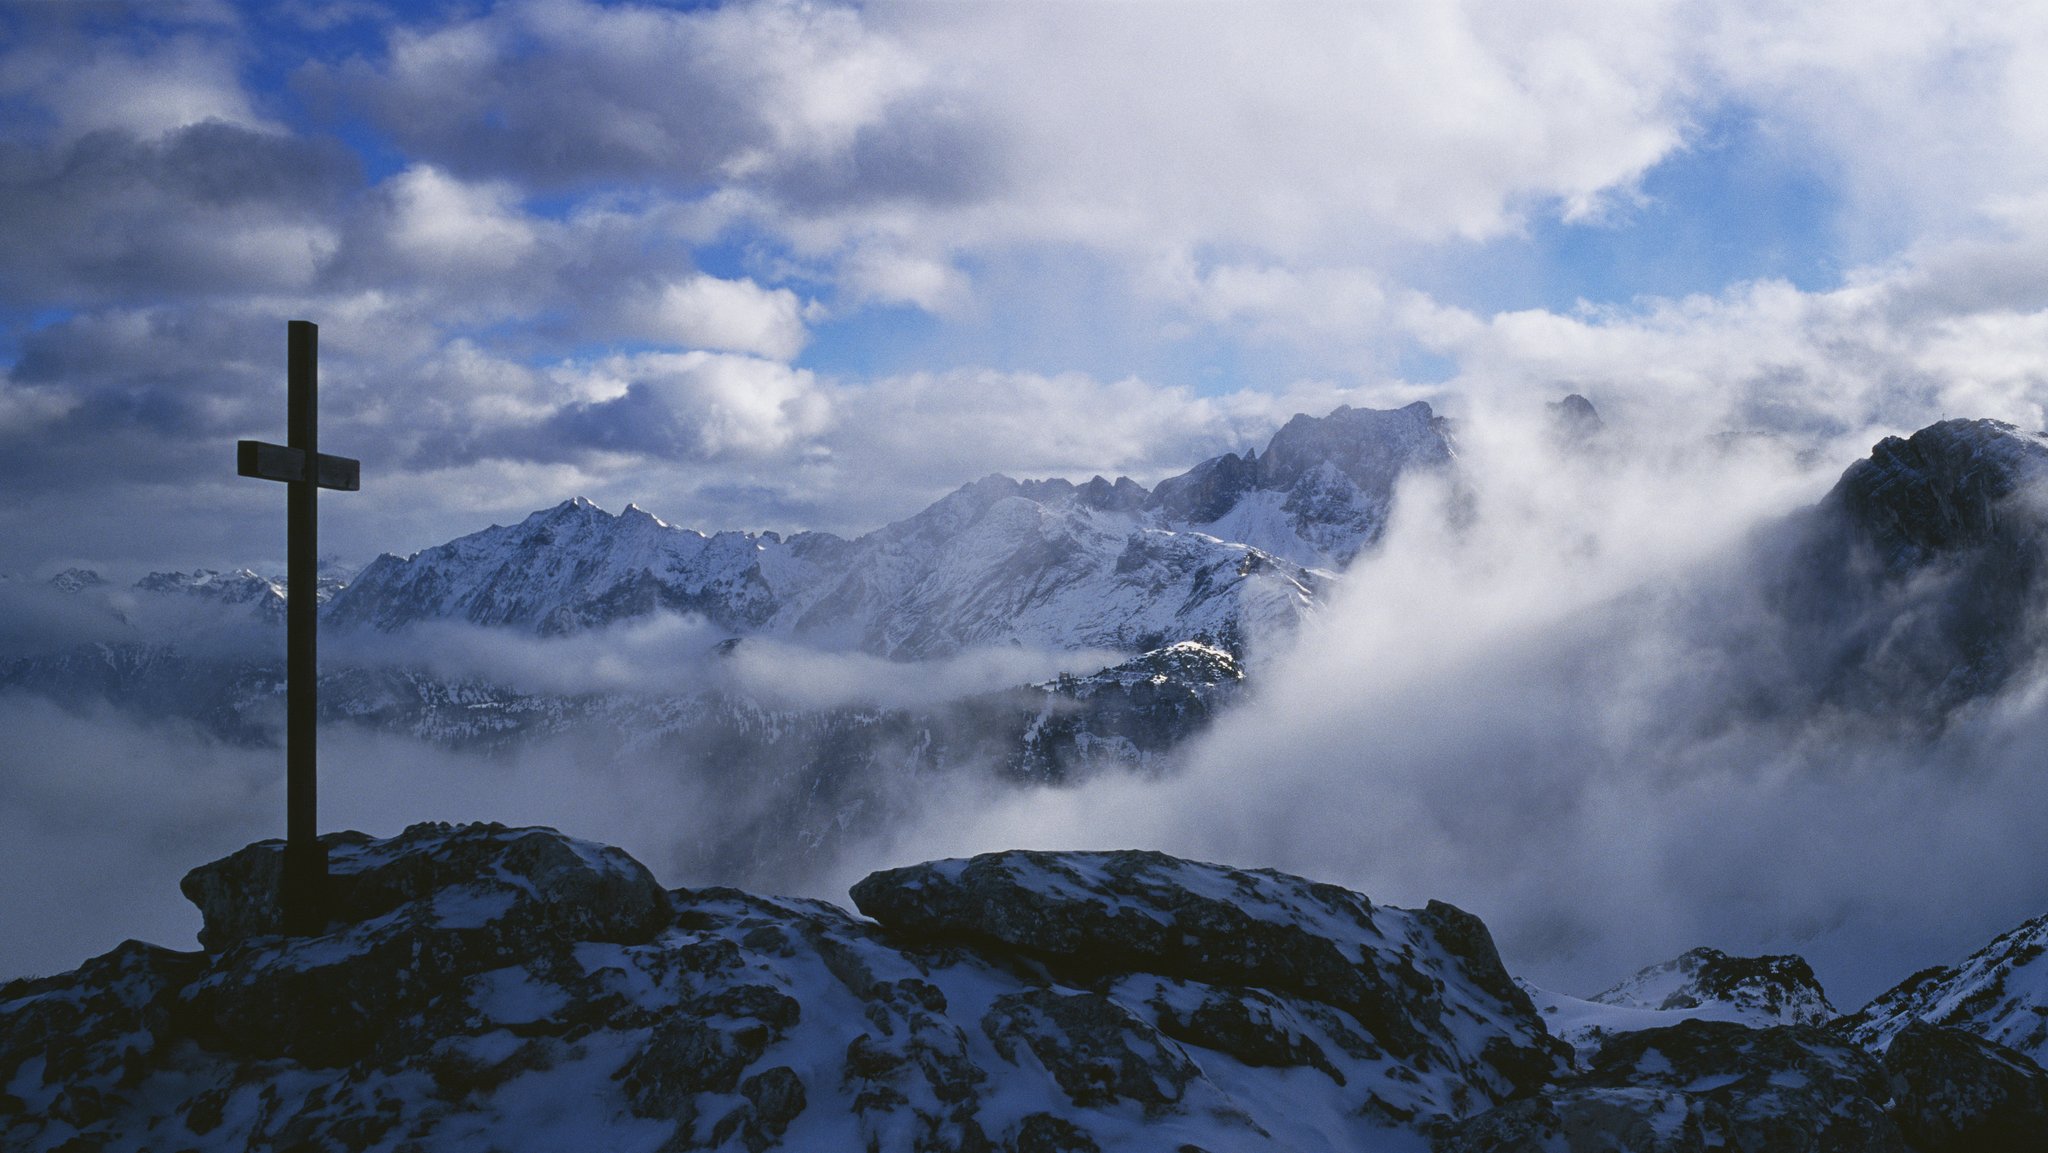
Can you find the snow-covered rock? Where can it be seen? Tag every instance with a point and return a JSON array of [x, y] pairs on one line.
[[1701, 984], [1439, 1016], [75, 580], [490, 988], [487, 988], [1999, 993], [1322, 490], [1700, 1085]]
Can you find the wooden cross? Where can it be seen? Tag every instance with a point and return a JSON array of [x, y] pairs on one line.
[[305, 470]]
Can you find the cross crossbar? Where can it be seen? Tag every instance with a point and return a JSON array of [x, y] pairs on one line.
[[266, 461]]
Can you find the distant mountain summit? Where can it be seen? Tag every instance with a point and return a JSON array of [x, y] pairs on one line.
[[1223, 554]]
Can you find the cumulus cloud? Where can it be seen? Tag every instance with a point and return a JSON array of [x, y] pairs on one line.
[[698, 404], [725, 315]]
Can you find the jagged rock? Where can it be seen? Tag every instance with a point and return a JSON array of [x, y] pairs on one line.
[[1904, 595], [1701, 1085], [1958, 1093], [1098, 1051], [1250, 1024], [76, 580], [1045, 1133], [1944, 488], [1764, 990], [431, 930]]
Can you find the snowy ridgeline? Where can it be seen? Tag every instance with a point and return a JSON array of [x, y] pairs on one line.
[[510, 989], [1233, 549]]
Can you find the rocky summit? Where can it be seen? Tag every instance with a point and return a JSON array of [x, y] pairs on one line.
[[483, 987], [491, 988]]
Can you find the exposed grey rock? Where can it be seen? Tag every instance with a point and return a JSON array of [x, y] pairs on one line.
[[1099, 1052], [1911, 586], [1574, 423], [1958, 1093], [529, 881]]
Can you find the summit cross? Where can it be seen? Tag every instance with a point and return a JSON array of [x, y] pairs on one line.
[[305, 470]]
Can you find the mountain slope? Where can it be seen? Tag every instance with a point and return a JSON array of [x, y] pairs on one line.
[[1999, 993]]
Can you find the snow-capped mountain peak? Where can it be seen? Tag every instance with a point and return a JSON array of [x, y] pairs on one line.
[[1219, 554]]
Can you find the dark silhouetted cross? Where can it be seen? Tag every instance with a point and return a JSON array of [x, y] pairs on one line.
[[305, 471]]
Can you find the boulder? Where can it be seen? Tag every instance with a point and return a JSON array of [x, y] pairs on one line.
[[1958, 1093], [1425, 986]]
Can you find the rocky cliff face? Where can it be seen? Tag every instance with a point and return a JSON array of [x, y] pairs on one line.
[[1909, 589], [482, 987]]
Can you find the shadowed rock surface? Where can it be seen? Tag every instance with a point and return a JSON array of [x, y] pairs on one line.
[[1958, 1093], [490, 988], [481, 987]]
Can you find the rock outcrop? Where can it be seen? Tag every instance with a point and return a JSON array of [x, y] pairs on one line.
[[482, 987], [485, 987]]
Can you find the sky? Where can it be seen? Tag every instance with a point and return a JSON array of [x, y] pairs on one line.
[[783, 266], [810, 266]]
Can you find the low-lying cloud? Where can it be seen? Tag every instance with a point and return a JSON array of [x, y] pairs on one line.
[[1549, 715]]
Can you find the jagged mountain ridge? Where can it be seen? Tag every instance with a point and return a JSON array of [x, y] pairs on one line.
[[1999, 993], [1224, 553], [479, 987]]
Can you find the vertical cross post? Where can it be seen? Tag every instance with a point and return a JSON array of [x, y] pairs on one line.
[[304, 470], [305, 860]]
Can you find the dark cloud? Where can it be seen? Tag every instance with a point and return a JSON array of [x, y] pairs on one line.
[[204, 209], [804, 102]]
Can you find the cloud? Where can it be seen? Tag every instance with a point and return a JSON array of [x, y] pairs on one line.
[[474, 229], [693, 404], [202, 208], [725, 315], [563, 93], [1550, 716]]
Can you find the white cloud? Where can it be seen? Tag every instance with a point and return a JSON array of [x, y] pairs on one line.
[[441, 223], [702, 311]]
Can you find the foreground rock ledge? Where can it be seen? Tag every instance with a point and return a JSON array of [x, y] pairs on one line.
[[490, 988]]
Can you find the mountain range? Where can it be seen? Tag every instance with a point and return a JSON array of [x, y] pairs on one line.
[[1896, 598]]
